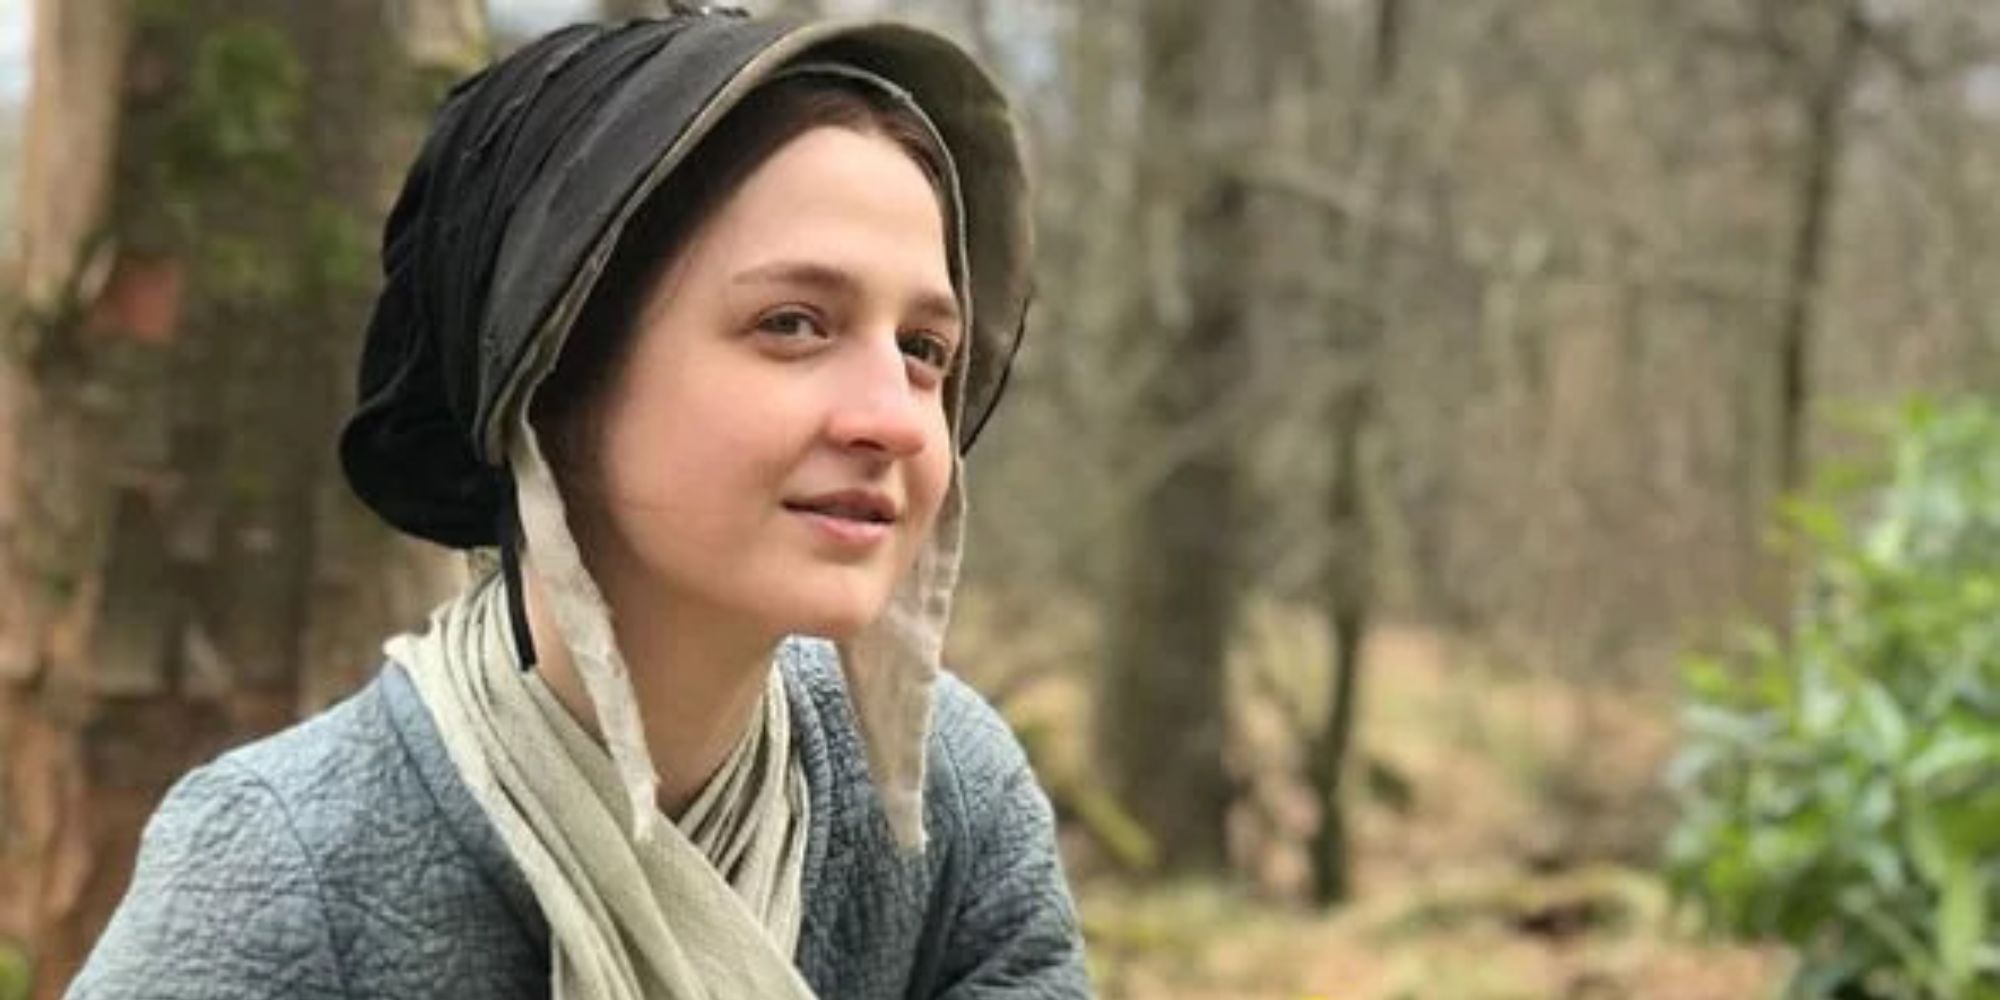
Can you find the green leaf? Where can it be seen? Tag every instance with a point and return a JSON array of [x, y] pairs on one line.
[[1925, 842], [1891, 932], [1885, 720], [1950, 753], [1819, 523], [1961, 921]]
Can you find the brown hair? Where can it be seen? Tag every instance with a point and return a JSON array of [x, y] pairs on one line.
[[769, 117]]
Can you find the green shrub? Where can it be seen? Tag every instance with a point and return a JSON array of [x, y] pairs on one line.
[[1841, 790]]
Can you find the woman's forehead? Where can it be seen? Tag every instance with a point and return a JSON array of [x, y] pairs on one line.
[[831, 208]]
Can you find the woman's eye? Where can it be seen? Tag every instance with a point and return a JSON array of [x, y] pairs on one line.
[[932, 350], [790, 323]]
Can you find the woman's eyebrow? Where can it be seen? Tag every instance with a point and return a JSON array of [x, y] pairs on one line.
[[931, 305]]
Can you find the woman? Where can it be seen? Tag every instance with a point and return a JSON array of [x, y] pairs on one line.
[[691, 320]]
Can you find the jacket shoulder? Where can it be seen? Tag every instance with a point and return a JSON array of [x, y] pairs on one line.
[[224, 903], [973, 745], [986, 912], [409, 891], [970, 751], [1009, 927]]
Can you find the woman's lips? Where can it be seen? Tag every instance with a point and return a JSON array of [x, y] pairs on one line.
[[856, 504], [849, 519], [843, 531]]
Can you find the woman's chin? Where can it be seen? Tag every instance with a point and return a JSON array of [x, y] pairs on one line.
[[835, 629], [837, 622]]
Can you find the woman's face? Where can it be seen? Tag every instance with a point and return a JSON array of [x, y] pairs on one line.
[[774, 450]]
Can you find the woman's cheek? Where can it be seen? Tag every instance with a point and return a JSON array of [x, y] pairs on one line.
[[935, 481]]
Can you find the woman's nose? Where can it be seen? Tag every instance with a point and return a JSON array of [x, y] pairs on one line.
[[876, 407]]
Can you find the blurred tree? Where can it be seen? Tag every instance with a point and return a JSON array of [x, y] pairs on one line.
[[1372, 154], [1210, 75], [1825, 66], [180, 566], [1810, 54], [1160, 707]]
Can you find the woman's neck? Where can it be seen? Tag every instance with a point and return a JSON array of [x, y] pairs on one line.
[[696, 686]]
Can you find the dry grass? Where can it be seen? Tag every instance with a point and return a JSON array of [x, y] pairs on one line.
[[1451, 940], [1514, 867]]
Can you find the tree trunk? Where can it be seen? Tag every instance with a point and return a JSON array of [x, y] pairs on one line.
[[1349, 571], [1825, 107], [180, 568], [1826, 87], [1161, 708]]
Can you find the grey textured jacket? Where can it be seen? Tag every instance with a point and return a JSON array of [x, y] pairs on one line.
[[344, 858]]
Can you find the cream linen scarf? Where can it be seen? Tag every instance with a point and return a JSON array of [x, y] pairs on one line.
[[707, 910]]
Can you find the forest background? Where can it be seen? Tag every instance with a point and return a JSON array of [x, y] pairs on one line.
[[1440, 424]]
